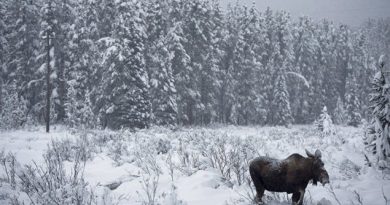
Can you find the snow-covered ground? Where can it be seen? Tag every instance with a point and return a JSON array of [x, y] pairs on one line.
[[199, 166]]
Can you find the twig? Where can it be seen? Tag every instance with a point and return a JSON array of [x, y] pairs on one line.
[[385, 197], [358, 197], [331, 190]]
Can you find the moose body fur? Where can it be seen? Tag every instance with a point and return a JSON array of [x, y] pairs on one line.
[[291, 175]]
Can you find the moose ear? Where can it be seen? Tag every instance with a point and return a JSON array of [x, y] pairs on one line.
[[309, 154], [318, 153]]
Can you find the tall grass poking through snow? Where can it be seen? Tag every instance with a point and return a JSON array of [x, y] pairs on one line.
[[49, 182], [193, 165]]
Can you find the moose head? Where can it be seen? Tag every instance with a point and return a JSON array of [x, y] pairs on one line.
[[318, 169]]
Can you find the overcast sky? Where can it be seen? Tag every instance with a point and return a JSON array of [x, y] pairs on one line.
[[352, 12]]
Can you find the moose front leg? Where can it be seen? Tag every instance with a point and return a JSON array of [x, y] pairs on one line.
[[297, 198]]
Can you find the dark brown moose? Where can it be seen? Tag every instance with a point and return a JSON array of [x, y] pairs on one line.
[[290, 175]]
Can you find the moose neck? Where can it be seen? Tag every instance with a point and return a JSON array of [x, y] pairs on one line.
[[312, 175]]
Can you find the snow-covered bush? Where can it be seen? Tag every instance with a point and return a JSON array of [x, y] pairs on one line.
[[325, 124], [47, 183], [13, 113], [148, 193], [230, 155], [68, 149], [8, 165], [51, 184], [163, 146], [171, 197], [189, 152]]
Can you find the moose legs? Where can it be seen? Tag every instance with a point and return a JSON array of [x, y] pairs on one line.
[[260, 193], [297, 197], [258, 185]]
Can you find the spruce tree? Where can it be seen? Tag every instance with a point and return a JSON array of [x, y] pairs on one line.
[[324, 123], [353, 104], [14, 109], [158, 57], [22, 19], [281, 104], [378, 138], [124, 100], [245, 67], [304, 62], [3, 47], [340, 114]]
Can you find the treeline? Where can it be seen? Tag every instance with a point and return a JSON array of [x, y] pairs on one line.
[[136, 63]]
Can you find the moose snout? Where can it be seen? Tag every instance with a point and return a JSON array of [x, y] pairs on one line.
[[325, 181], [324, 178]]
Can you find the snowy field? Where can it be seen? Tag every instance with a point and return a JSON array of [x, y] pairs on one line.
[[194, 166]]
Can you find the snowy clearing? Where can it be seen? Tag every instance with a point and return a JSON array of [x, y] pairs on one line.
[[198, 166]]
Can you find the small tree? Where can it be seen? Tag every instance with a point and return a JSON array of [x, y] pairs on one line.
[[378, 134], [324, 123]]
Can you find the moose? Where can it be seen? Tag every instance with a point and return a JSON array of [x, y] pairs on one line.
[[290, 175]]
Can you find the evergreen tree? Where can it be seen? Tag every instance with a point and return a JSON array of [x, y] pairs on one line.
[[14, 110], [245, 67], [47, 68], [64, 17], [180, 67], [78, 108], [324, 123], [340, 114], [343, 53], [22, 20], [158, 57], [281, 102], [378, 138], [225, 73], [3, 47], [124, 101], [305, 46], [353, 104]]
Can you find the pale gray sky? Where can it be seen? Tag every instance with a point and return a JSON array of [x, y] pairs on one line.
[[352, 12]]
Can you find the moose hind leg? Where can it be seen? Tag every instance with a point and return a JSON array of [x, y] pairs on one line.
[[259, 187]]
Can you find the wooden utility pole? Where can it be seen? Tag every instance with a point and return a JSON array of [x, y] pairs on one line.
[[48, 86]]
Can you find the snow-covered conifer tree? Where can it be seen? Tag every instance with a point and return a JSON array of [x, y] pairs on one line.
[[124, 99], [78, 107], [158, 57], [245, 65], [340, 114], [14, 108], [324, 123], [304, 62], [353, 104], [3, 48], [378, 135], [281, 103], [22, 21]]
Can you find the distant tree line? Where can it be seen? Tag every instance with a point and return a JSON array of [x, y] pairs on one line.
[[166, 62]]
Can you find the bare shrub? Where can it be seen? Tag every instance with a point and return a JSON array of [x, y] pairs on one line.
[[149, 185], [50, 184], [8, 163], [67, 149]]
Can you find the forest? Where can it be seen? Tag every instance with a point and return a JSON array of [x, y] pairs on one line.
[[133, 64], [168, 102]]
